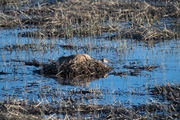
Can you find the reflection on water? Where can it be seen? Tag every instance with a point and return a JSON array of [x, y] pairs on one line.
[[18, 80]]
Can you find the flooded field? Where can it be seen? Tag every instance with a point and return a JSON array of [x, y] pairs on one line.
[[139, 39]]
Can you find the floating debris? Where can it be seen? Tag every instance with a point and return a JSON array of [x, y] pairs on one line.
[[33, 63], [3, 73], [140, 68], [119, 73]]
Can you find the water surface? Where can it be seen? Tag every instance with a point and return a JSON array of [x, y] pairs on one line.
[[18, 80]]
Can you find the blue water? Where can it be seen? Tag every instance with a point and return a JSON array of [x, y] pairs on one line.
[[22, 83]]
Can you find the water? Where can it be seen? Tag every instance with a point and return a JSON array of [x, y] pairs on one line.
[[20, 81]]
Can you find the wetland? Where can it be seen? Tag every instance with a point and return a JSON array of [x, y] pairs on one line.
[[140, 40]]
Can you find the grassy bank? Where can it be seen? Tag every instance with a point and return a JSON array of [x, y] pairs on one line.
[[71, 108], [93, 18]]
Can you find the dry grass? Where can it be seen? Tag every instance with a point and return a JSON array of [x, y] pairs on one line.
[[72, 109], [145, 33], [91, 18], [167, 92]]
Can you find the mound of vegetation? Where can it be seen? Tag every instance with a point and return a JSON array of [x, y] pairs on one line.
[[75, 66]]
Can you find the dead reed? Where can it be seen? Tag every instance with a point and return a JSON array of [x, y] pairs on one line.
[[92, 18], [71, 109], [167, 93]]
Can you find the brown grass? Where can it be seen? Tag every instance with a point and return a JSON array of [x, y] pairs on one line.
[[91, 18], [167, 92], [70, 108]]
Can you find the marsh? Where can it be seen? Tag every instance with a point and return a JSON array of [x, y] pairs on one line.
[[140, 39]]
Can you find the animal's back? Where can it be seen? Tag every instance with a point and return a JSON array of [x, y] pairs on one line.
[[82, 57], [74, 58]]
